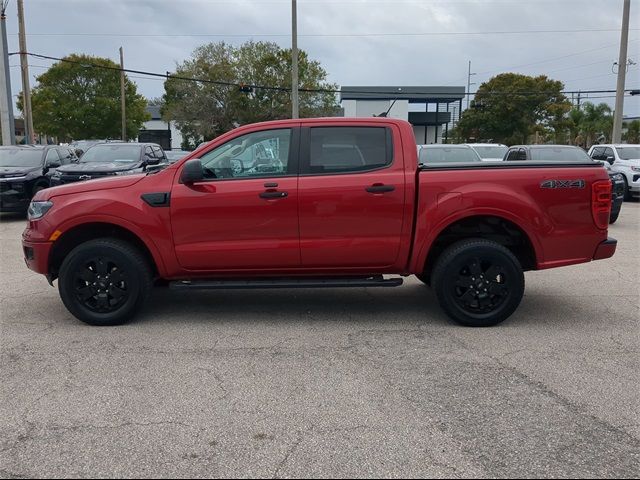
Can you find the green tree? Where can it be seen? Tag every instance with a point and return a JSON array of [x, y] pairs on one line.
[[632, 135], [204, 110], [80, 101], [510, 107]]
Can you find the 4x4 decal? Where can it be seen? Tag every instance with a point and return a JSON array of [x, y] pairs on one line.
[[562, 184]]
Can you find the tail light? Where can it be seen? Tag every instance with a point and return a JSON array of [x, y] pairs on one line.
[[601, 203]]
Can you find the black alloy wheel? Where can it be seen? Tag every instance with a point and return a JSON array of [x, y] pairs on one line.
[[478, 282]]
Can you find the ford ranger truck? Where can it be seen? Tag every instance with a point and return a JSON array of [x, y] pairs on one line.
[[334, 202]]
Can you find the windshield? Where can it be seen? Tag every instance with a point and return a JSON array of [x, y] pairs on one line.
[[447, 155], [560, 154], [112, 153], [629, 153], [20, 157], [490, 152]]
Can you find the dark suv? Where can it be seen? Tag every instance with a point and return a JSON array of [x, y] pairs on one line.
[[108, 159], [26, 169], [568, 153]]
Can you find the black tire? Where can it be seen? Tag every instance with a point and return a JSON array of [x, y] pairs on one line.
[[424, 279], [478, 283], [614, 217], [105, 281]]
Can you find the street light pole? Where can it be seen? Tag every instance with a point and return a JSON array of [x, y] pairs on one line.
[[616, 136], [294, 60], [6, 100], [26, 89]]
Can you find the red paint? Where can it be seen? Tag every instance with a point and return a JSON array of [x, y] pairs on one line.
[[327, 224]]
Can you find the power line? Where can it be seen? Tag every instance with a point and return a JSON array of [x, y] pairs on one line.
[[395, 93], [312, 35]]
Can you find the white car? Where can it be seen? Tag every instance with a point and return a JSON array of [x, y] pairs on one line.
[[446, 153], [624, 159], [489, 152]]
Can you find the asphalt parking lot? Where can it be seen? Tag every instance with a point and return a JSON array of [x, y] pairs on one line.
[[326, 383]]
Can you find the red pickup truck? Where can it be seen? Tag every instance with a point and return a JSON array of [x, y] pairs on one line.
[[331, 202]]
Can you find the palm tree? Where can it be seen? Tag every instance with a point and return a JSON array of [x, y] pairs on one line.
[[632, 135]]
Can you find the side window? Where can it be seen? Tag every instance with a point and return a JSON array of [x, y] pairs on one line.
[[608, 152], [598, 153], [349, 149], [257, 154], [65, 156], [517, 154], [148, 152], [52, 157]]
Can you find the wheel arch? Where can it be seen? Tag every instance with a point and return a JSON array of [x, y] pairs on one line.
[[496, 227], [74, 235]]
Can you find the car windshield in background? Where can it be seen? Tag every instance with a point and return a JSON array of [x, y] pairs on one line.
[[559, 154], [112, 153], [447, 155], [20, 157], [490, 152], [628, 153]]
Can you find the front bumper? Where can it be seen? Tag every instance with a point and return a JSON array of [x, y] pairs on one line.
[[36, 255], [606, 249]]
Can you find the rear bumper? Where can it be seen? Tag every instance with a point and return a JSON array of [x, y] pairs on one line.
[[606, 249]]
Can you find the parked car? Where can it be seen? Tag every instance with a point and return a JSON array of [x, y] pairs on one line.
[[489, 152], [25, 170], [567, 153], [322, 219], [624, 159], [175, 155], [444, 153], [108, 159]]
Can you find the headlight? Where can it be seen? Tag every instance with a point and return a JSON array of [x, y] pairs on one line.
[[635, 169], [38, 209], [57, 174]]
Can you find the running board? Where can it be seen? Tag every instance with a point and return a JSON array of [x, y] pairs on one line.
[[374, 281]]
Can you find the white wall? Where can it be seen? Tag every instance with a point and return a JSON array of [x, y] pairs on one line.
[[369, 108], [418, 131]]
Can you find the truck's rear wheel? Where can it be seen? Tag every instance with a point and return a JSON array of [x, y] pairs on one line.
[[479, 283], [104, 282]]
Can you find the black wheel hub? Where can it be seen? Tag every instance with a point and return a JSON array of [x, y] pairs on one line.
[[101, 285], [481, 286]]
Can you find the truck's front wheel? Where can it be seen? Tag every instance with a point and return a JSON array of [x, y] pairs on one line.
[[479, 283], [104, 282]]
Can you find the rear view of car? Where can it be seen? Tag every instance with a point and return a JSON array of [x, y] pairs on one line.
[[439, 153]]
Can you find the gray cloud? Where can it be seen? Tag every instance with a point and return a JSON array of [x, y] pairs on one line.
[[350, 60]]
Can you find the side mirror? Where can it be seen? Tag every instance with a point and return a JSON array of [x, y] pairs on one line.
[[192, 171], [610, 160], [152, 161]]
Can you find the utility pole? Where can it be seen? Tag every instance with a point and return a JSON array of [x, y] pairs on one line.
[[122, 98], [294, 60], [469, 84], [26, 89], [616, 136], [6, 100]]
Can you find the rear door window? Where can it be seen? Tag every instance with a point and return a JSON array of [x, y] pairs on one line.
[[334, 150]]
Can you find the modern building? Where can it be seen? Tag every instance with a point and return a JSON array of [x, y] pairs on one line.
[[159, 131], [433, 111]]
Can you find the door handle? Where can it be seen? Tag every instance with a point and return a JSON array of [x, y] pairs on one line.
[[272, 195], [380, 188]]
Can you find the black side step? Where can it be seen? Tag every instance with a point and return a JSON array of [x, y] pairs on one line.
[[373, 281]]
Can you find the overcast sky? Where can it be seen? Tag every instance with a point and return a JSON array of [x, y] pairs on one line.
[[359, 42]]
